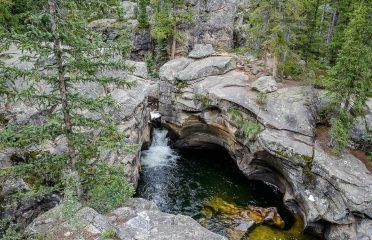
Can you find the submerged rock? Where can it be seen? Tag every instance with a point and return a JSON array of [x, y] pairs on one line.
[[231, 214]]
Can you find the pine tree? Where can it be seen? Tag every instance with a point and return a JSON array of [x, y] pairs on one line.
[[168, 15], [143, 21], [349, 82], [59, 52], [274, 27]]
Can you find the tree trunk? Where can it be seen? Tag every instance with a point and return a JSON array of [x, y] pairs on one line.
[[57, 48], [275, 68], [174, 40], [265, 59], [331, 26], [173, 47]]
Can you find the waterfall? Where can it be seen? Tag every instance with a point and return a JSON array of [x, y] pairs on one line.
[[159, 154]]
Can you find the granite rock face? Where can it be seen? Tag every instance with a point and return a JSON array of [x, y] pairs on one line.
[[286, 152], [137, 219]]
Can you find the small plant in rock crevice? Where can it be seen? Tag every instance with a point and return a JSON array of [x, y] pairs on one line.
[[247, 128], [109, 233], [261, 98], [203, 99]]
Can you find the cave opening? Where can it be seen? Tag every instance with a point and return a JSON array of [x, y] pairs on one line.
[[204, 182]]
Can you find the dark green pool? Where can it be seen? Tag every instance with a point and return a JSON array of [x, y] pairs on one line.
[[184, 182]]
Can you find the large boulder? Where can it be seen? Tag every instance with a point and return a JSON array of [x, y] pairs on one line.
[[137, 219], [265, 84], [155, 225], [201, 51], [170, 69], [207, 67]]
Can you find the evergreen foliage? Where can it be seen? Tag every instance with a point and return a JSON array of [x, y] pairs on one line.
[[58, 54], [143, 21], [350, 80], [275, 25], [168, 15], [154, 60]]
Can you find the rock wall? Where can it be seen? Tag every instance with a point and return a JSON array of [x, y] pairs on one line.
[[217, 22], [196, 102], [132, 112]]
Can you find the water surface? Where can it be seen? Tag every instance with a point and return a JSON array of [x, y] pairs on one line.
[[186, 182]]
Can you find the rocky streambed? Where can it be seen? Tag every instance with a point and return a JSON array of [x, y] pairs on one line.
[[268, 130]]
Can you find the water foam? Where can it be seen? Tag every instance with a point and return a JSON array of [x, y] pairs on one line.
[[159, 154]]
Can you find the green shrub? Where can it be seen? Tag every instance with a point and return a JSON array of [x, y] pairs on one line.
[[248, 128], [203, 99], [70, 200], [340, 126], [109, 233], [12, 234], [109, 188], [261, 98]]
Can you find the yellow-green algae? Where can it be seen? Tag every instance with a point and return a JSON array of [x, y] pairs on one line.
[[230, 213], [263, 232]]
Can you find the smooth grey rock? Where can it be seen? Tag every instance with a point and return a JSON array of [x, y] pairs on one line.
[[201, 51], [290, 109], [265, 84], [282, 154], [284, 144], [207, 67], [349, 176], [170, 69], [50, 225]]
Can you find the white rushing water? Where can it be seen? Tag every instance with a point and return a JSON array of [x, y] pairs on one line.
[[159, 154]]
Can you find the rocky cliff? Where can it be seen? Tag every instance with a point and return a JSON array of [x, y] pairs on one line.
[[270, 129]]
